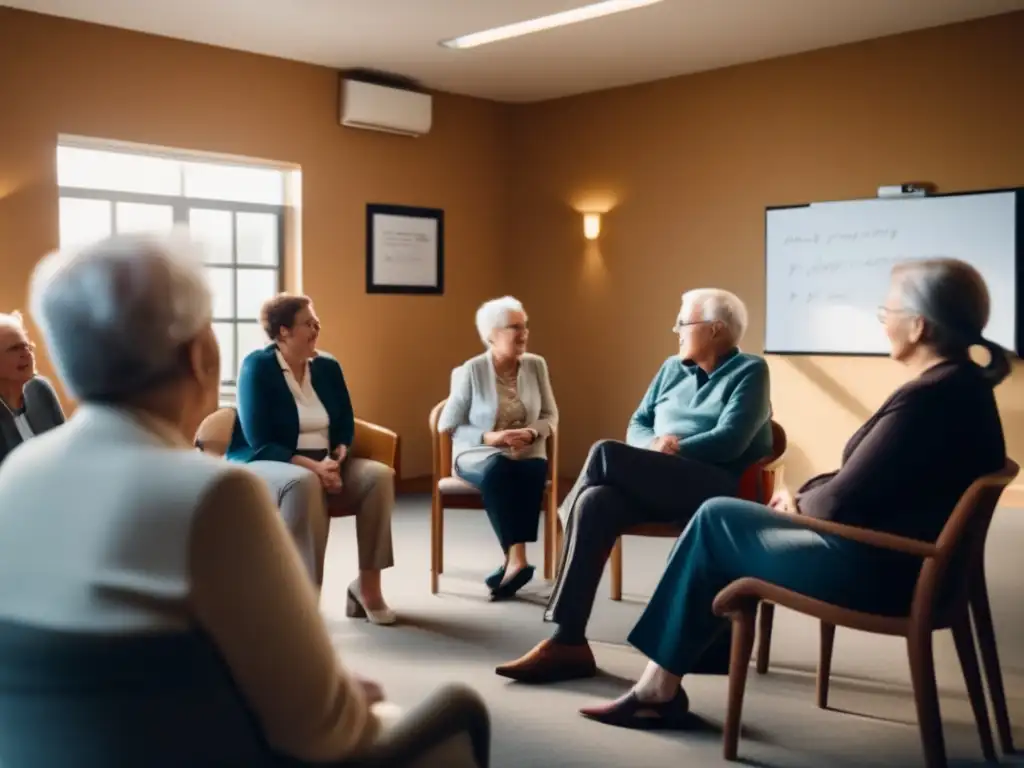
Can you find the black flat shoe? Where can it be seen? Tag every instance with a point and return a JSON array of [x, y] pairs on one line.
[[508, 590], [630, 712], [494, 578]]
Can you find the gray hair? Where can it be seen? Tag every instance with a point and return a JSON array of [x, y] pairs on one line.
[[723, 306], [493, 315], [952, 298], [116, 315], [12, 320]]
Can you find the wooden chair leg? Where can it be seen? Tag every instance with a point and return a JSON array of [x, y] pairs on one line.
[[550, 534], [926, 697], [616, 570], [764, 637], [436, 541], [964, 639], [826, 642], [742, 647], [982, 613]]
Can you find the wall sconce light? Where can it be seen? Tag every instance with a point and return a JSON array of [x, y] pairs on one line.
[[591, 225]]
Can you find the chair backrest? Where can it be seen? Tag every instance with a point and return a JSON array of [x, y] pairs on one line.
[[441, 447], [779, 442], [961, 545], [759, 480], [214, 434]]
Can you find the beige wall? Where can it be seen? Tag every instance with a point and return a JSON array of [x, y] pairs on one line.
[[67, 77]]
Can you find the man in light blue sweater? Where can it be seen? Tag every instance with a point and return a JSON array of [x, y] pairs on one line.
[[705, 418]]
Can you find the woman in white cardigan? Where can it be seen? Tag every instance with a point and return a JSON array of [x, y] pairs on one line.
[[500, 412]]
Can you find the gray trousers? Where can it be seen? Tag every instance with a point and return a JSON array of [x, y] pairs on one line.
[[621, 486]]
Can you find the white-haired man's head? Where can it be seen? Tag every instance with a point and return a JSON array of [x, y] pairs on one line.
[[17, 352], [128, 320], [502, 325], [711, 322]]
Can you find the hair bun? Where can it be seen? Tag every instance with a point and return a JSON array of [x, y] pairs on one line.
[[998, 366]]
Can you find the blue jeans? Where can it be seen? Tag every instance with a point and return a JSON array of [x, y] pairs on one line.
[[730, 539]]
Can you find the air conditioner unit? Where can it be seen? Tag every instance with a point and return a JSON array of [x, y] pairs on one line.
[[383, 108]]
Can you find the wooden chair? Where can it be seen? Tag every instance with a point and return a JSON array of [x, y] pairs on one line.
[[370, 442], [757, 484], [450, 492], [952, 570]]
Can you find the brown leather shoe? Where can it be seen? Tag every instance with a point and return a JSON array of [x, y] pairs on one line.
[[551, 662]]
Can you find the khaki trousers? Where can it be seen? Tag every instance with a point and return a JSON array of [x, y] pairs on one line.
[[368, 487]]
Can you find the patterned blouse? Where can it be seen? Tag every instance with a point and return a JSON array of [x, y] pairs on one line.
[[511, 411]]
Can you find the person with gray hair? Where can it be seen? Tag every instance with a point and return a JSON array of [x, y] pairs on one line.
[[705, 418], [30, 405], [162, 615], [902, 473], [500, 411]]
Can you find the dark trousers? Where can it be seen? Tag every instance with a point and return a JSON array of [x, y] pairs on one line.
[[730, 539], [513, 494], [621, 486]]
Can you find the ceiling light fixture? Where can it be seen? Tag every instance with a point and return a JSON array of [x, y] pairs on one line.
[[562, 19]]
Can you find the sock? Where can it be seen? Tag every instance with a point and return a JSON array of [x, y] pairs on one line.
[[569, 635]]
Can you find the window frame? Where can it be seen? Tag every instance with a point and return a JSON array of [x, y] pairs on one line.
[[180, 206]]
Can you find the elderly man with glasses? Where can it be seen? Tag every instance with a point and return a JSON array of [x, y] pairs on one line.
[[705, 418]]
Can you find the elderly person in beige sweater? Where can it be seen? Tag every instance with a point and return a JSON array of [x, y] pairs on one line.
[[161, 615]]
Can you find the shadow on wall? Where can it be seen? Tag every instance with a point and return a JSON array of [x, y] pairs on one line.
[[827, 384], [797, 465]]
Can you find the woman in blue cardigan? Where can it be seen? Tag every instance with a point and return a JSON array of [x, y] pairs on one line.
[[295, 425]]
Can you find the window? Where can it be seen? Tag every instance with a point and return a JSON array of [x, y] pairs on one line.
[[236, 211]]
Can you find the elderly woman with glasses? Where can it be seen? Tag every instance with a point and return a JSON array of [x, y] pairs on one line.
[[30, 406], [295, 425], [162, 616], [500, 412]]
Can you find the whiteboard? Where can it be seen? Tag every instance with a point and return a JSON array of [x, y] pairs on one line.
[[828, 265]]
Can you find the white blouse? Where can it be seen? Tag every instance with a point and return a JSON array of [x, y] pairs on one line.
[[24, 428], [314, 423]]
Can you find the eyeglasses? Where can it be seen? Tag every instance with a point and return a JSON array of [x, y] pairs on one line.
[[518, 327], [680, 324], [21, 346], [884, 313]]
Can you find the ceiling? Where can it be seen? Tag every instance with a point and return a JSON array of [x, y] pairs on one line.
[[673, 37]]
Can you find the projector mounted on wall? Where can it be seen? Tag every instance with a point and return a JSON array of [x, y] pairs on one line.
[[375, 101], [907, 189]]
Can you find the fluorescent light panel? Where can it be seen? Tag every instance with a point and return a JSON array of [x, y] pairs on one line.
[[561, 19]]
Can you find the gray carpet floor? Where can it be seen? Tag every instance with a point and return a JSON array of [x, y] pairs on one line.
[[458, 635]]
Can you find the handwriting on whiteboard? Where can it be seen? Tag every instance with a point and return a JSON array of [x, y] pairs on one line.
[[817, 238]]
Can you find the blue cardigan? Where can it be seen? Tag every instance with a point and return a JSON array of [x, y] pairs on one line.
[[267, 427]]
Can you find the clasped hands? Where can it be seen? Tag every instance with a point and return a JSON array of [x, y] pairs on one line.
[[516, 439], [328, 470]]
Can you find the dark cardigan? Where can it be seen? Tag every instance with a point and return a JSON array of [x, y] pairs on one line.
[[267, 427], [42, 410], [905, 469]]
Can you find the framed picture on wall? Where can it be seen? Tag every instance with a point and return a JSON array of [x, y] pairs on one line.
[[404, 249]]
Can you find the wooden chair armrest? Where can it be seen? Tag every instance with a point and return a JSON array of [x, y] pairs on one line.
[[374, 442], [867, 536]]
